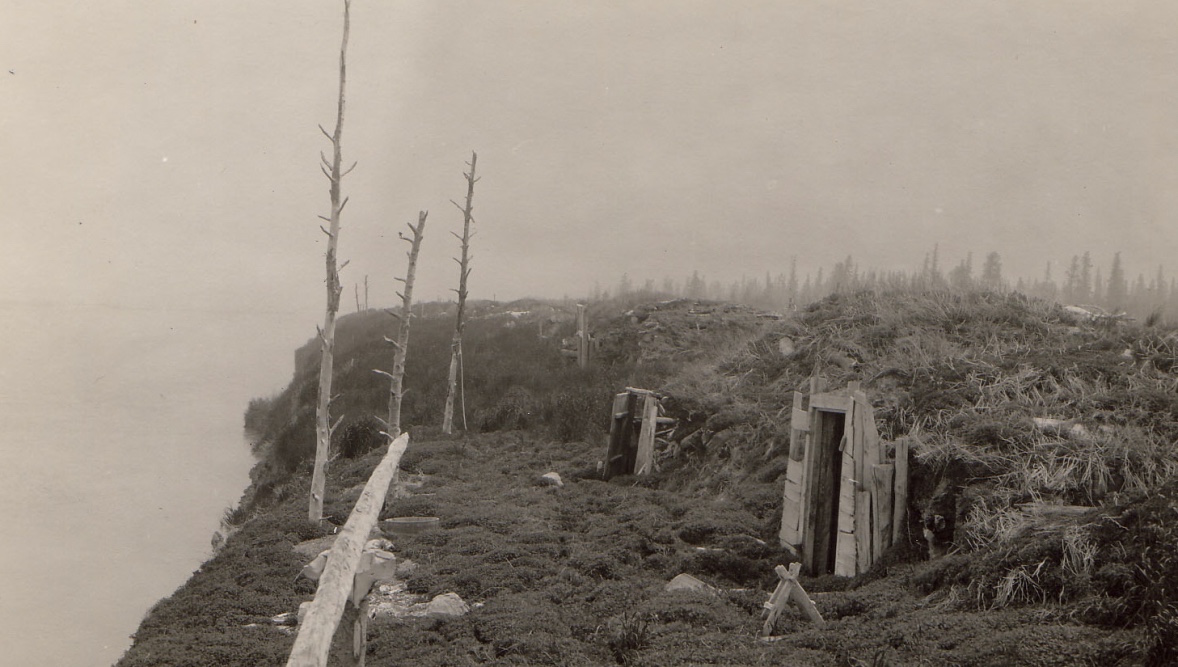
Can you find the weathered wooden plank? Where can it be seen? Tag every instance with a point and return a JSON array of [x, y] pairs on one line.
[[799, 597], [800, 420], [900, 493], [794, 503], [871, 443], [644, 461], [845, 557], [793, 490], [830, 402], [846, 551], [881, 504], [313, 642], [864, 530]]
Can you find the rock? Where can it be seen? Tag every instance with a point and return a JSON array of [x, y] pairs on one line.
[[312, 548], [447, 604], [550, 479], [285, 618], [786, 346], [303, 608], [314, 569], [686, 582]]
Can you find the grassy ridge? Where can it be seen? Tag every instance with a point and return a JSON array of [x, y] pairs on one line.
[[574, 575]]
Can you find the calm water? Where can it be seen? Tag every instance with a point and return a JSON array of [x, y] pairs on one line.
[[122, 446]]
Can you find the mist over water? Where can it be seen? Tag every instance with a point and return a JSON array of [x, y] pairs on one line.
[[123, 446]]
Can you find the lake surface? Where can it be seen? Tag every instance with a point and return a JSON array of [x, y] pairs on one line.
[[122, 447]]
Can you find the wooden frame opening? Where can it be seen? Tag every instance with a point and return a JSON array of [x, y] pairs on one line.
[[829, 435]]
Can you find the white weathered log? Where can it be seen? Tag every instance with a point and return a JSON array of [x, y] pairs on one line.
[[313, 642]]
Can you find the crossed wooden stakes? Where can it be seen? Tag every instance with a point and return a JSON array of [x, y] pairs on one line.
[[789, 589]]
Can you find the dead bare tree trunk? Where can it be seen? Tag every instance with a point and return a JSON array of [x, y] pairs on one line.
[[323, 425], [463, 274], [401, 344]]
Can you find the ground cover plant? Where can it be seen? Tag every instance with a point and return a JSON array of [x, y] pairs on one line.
[[575, 574]]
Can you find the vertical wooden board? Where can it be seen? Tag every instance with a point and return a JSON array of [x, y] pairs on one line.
[[644, 462], [616, 424], [881, 503], [845, 558], [900, 493], [845, 548], [863, 529], [806, 511], [871, 445], [795, 477]]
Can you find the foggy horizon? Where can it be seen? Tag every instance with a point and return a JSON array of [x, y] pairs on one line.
[[167, 154]]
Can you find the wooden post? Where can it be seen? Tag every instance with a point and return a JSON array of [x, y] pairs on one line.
[[644, 463], [336, 584], [582, 337], [900, 494]]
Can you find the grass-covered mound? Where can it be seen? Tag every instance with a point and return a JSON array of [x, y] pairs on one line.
[[1014, 407]]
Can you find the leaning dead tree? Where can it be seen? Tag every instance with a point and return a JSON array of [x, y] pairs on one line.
[[463, 274], [401, 344], [334, 174]]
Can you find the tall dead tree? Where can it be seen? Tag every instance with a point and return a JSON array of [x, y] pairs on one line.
[[463, 274], [334, 174], [401, 344]]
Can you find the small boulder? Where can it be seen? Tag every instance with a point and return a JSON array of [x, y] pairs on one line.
[[447, 604], [550, 479], [686, 582], [786, 346]]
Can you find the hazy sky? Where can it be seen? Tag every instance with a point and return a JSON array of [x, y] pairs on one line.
[[164, 153]]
